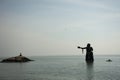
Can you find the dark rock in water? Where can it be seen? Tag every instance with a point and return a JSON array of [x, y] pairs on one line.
[[109, 60], [19, 58]]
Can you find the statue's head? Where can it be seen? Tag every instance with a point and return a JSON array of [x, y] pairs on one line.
[[88, 45]]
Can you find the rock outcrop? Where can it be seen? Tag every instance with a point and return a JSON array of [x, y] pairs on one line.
[[19, 58], [109, 60]]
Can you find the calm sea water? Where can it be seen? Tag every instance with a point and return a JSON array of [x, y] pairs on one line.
[[62, 68]]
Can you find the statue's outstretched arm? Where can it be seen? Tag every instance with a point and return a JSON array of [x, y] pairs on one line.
[[81, 47]]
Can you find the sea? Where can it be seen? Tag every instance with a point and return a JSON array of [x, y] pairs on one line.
[[62, 68]]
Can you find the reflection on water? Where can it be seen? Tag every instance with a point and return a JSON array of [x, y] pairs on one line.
[[89, 71]]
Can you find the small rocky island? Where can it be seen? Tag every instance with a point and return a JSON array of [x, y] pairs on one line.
[[19, 58]]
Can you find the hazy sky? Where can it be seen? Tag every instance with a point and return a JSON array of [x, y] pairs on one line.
[[57, 27]]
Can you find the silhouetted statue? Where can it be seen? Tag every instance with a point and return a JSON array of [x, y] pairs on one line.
[[89, 53], [20, 54]]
